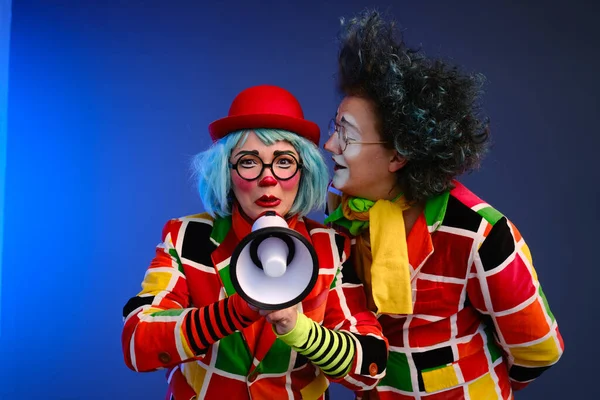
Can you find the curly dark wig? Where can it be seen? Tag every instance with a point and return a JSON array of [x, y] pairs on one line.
[[426, 108]]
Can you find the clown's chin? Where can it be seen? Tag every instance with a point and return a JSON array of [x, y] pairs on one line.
[[340, 178]]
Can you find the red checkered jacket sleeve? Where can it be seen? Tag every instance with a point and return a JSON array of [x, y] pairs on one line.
[[162, 328], [347, 311], [504, 285]]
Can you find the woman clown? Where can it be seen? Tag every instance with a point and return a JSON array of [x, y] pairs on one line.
[[189, 319]]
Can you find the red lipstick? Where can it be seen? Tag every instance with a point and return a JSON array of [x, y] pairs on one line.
[[267, 201]]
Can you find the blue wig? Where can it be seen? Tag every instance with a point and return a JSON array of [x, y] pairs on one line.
[[212, 173]]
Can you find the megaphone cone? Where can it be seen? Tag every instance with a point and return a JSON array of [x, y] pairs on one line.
[[274, 267]]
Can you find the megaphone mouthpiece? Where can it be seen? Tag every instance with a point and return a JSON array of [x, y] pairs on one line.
[[273, 255]]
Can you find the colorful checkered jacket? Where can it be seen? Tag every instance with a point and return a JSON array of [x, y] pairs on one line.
[[481, 326], [189, 279]]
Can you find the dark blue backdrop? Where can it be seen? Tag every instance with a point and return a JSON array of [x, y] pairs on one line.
[[108, 100]]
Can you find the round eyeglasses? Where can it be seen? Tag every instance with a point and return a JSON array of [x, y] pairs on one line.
[[343, 138], [250, 166]]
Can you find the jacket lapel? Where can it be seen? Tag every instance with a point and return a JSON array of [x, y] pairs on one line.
[[419, 245]]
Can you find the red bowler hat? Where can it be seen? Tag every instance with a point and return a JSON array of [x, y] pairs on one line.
[[265, 106]]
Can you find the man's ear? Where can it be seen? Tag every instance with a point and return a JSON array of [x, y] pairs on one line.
[[396, 162]]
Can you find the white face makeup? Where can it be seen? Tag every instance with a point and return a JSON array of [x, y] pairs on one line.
[[342, 173], [352, 133], [364, 166]]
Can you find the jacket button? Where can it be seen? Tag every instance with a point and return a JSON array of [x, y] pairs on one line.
[[373, 370], [164, 357]]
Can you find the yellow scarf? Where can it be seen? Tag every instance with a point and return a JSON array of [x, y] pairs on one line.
[[381, 252]]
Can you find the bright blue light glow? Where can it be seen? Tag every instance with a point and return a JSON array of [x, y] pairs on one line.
[[5, 14]]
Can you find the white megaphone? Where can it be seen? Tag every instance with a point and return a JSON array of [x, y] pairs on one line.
[[274, 267]]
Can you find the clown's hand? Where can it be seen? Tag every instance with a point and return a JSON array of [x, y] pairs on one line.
[[282, 320]]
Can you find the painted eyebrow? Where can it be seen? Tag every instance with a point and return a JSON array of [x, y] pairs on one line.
[[276, 153], [245, 152], [345, 121], [279, 152]]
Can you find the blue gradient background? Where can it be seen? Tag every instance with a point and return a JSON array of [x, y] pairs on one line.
[[109, 99]]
